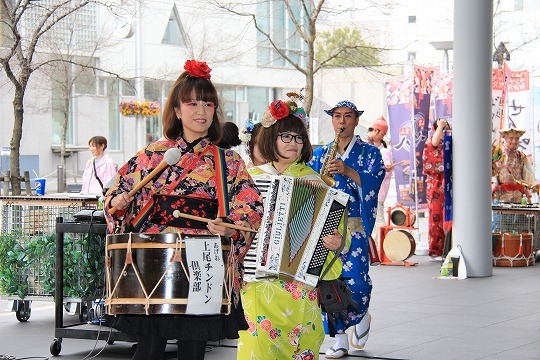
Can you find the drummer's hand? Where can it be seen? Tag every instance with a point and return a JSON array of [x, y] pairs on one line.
[[121, 201], [215, 228], [333, 242]]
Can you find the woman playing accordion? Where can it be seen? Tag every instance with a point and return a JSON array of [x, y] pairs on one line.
[[191, 125], [284, 316]]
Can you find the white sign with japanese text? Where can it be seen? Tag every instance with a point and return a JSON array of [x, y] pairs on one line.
[[206, 272]]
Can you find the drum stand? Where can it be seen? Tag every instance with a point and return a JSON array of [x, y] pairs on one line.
[[406, 246]]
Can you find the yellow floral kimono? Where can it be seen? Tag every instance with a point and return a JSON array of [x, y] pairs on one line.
[[284, 318]]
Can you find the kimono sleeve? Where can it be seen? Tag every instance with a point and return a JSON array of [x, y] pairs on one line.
[[245, 202]]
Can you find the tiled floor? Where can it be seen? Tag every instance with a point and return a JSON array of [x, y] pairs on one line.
[[414, 317]]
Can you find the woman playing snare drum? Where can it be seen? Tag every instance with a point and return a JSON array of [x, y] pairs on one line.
[[190, 124]]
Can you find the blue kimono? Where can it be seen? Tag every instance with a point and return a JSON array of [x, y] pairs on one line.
[[367, 161]]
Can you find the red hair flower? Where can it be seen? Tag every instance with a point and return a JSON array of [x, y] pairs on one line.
[[197, 69], [279, 109], [276, 111]]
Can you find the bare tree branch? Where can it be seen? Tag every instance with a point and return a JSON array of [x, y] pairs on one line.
[[18, 61]]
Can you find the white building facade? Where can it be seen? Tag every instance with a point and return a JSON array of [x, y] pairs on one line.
[[143, 58]]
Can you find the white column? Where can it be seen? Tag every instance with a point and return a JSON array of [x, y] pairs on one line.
[[473, 27]]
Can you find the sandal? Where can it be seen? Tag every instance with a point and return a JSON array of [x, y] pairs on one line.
[[358, 341], [336, 353]]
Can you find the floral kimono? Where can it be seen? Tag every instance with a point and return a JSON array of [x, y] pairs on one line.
[[284, 318], [434, 171], [193, 177], [366, 160]]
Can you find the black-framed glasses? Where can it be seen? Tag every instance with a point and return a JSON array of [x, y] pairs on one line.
[[287, 138]]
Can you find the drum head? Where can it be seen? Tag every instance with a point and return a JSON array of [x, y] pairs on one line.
[[399, 245], [398, 217]]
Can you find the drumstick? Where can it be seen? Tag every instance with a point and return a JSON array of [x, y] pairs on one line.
[[177, 214], [171, 157], [398, 163]]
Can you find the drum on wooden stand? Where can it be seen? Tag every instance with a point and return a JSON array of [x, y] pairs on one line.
[[513, 250], [168, 274], [399, 245], [400, 215]]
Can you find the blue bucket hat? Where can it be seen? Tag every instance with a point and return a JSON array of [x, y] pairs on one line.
[[344, 103]]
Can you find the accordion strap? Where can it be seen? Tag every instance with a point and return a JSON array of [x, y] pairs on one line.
[[345, 219], [329, 266]]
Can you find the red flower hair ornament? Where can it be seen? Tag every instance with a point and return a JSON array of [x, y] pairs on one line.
[[276, 111], [198, 69], [279, 110]]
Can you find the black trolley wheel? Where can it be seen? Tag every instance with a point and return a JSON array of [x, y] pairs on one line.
[[23, 311], [56, 347]]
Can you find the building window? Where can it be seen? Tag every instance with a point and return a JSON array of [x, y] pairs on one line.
[[69, 80], [113, 89], [174, 33], [61, 116], [128, 88], [76, 31], [412, 19], [154, 129], [85, 82], [258, 99], [152, 91], [227, 96], [274, 19]]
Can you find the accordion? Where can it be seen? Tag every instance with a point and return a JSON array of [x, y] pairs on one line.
[[298, 213]]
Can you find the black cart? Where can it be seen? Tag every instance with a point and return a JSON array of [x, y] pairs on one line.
[[81, 330]]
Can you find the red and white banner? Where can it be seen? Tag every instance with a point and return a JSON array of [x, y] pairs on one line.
[[511, 105]]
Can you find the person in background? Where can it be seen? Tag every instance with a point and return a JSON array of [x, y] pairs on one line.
[[376, 132], [375, 136], [358, 170], [229, 135], [284, 317], [434, 171], [99, 170], [249, 135], [191, 125], [512, 170]]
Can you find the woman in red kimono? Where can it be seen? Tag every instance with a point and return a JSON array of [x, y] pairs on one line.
[[434, 171], [190, 124]]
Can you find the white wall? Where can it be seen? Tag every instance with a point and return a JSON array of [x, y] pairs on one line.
[[228, 44]]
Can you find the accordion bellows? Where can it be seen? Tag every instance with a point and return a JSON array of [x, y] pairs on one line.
[[298, 214]]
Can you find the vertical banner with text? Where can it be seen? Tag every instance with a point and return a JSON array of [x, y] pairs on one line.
[[408, 100], [511, 105], [498, 98], [519, 112]]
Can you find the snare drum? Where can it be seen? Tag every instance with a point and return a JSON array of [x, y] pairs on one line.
[[513, 250], [399, 245], [150, 274]]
